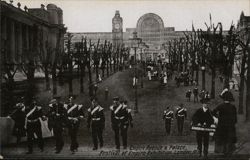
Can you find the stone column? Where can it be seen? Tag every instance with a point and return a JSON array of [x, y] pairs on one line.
[[4, 29], [27, 45], [12, 41], [20, 43]]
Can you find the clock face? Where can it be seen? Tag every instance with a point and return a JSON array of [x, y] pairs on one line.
[[117, 26]]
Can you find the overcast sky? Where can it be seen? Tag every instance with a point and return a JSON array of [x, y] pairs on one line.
[[96, 15]]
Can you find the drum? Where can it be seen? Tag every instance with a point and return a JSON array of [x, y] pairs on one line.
[[205, 129]]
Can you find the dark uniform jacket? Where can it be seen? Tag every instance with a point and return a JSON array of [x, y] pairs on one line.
[[74, 114], [227, 115], [188, 94], [195, 91], [96, 116], [33, 115], [19, 118], [168, 115], [181, 112], [121, 114], [56, 115], [204, 118]]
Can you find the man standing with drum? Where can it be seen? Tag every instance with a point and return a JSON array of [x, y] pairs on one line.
[[204, 119]]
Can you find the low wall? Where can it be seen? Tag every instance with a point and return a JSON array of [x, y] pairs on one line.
[[6, 127]]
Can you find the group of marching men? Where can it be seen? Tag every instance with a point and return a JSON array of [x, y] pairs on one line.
[[61, 115], [220, 121], [181, 115]]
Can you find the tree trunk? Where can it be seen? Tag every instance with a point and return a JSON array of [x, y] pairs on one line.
[[241, 95], [90, 81], [110, 63], [213, 83], [70, 74], [242, 84], [226, 81], [203, 73], [96, 72], [103, 72], [203, 79], [248, 90], [192, 73], [30, 78], [197, 75], [114, 65], [47, 76], [82, 68], [107, 68], [54, 79]]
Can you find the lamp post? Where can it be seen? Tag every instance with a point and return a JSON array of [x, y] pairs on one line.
[[135, 41], [142, 46], [203, 68]]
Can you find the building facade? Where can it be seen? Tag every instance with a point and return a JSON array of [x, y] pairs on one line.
[[150, 28], [30, 34]]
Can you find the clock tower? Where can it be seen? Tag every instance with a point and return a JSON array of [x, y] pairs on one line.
[[117, 30]]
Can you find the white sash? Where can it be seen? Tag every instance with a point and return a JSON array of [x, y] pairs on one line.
[[31, 112], [72, 108], [168, 113], [180, 110], [27, 115], [118, 108], [94, 110]]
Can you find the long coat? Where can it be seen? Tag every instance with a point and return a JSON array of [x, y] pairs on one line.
[[225, 132]]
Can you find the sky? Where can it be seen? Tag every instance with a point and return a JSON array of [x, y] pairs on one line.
[[96, 15]]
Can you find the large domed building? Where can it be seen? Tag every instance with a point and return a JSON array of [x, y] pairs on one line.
[[150, 28]]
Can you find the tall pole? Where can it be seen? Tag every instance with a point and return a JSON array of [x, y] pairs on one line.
[[203, 77], [135, 74], [135, 42], [141, 72]]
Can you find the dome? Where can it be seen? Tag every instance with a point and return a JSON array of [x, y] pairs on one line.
[[150, 22]]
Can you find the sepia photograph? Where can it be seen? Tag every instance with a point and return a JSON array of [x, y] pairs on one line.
[[125, 79]]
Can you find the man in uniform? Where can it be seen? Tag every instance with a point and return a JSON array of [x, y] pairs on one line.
[[168, 117], [188, 95], [203, 118], [33, 125], [202, 94], [195, 92], [225, 135], [95, 89], [19, 118], [121, 118], [96, 120], [181, 114], [74, 115], [106, 93], [56, 121]]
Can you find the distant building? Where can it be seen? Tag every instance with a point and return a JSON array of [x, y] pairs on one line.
[[243, 28], [30, 33], [150, 28]]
